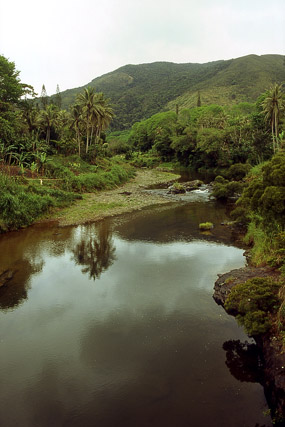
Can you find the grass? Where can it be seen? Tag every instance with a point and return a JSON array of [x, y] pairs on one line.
[[88, 208], [205, 226]]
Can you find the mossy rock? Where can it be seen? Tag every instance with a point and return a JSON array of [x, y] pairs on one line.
[[206, 226]]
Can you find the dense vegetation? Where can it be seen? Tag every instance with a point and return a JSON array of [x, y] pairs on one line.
[[49, 155], [139, 91], [53, 153], [253, 302], [207, 137]]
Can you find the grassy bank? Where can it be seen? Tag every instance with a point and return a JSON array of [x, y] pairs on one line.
[[129, 197], [72, 191]]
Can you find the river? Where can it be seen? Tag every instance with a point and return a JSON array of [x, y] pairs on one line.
[[114, 324]]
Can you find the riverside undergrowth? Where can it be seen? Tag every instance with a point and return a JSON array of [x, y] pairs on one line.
[[22, 200]]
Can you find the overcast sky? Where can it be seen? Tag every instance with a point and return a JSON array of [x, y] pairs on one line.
[[68, 42]]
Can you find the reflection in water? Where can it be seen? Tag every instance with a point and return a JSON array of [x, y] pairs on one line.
[[96, 252], [22, 253], [181, 222], [16, 290], [141, 348], [243, 361]]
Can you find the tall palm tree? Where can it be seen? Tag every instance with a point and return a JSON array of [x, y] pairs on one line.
[[86, 100], [105, 116], [49, 119], [76, 117], [272, 107], [96, 112], [31, 116]]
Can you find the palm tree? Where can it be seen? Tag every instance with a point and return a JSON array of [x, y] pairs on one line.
[[49, 119], [76, 116], [272, 106], [105, 116], [31, 116], [96, 112], [86, 102]]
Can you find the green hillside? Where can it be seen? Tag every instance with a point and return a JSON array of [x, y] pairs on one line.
[[138, 91]]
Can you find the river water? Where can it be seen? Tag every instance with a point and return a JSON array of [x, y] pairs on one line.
[[114, 324]]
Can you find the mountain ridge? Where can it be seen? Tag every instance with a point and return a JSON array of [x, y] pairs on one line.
[[138, 91]]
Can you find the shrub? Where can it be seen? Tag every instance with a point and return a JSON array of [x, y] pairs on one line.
[[240, 215], [252, 302], [238, 171], [206, 226], [21, 205], [224, 189], [22, 208]]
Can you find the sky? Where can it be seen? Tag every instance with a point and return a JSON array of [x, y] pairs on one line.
[[69, 43]]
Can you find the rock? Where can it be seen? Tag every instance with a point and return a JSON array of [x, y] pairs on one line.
[[5, 276], [273, 357], [176, 189], [192, 185], [227, 281], [182, 187]]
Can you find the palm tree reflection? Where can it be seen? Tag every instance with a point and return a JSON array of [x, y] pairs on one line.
[[96, 251]]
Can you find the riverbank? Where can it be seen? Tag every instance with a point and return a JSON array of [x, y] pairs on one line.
[[126, 198], [270, 347]]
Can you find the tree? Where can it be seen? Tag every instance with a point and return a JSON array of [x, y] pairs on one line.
[[86, 102], [44, 97], [104, 116], [76, 116], [96, 112], [30, 114], [11, 89], [49, 119], [58, 99], [272, 107]]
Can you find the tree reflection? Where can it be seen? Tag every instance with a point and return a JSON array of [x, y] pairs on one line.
[[15, 291], [244, 361], [95, 252]]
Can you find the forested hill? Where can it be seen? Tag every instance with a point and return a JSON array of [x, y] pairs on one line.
[[138, 91]]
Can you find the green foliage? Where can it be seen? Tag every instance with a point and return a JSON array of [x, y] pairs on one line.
[[265, 194], [18, 207], [238, 171], [155, 132], [252, 302], [118, 142], [21, 205], [240, 215], [205, 137], [139, 91], [10, 87], [224, 189], [144, 160], [205, 226]]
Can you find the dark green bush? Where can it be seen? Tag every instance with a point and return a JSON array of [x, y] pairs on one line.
[[21, 205], [22, 208], [252, 302], [220, 180], [225, 189], [240, 215], [238, 171]]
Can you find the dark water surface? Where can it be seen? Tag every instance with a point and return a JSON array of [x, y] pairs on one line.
[[114, 324]]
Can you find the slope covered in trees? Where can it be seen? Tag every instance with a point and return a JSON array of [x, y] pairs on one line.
[[139, 91]]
